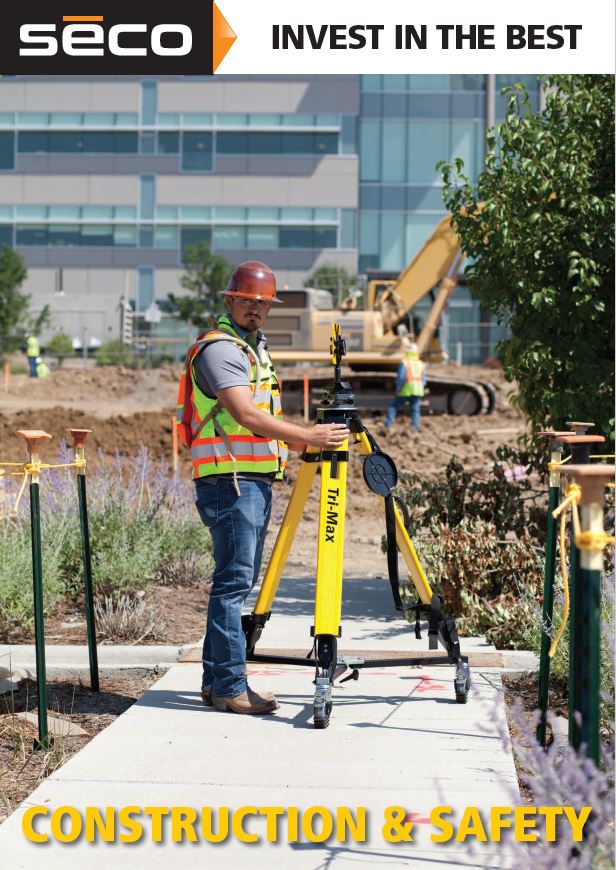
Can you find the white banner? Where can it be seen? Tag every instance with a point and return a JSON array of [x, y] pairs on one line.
[[355, 36]]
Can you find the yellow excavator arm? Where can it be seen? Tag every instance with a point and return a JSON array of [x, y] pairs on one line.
[[436, 265], [430, 265]]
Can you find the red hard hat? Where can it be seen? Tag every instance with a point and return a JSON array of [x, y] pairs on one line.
[[252, 280]]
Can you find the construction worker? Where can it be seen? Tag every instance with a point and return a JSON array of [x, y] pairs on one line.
[[33, 351], [410, 384], [229, 413]]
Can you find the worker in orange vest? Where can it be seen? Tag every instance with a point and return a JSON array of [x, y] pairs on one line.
[[410, 385]]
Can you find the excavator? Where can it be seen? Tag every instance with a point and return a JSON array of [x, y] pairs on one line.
[[377, 333]]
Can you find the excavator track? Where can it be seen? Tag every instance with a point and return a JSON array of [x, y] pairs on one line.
[[374, 391]]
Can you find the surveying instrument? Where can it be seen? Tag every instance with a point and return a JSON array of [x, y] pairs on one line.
[[380, 475]]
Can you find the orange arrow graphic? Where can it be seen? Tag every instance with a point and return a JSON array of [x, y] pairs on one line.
[[223, 37]]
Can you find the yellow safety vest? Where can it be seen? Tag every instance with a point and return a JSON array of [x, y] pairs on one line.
[[33, 347], [218, 444], [414, 377]]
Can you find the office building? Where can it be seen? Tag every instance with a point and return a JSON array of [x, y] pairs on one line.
[[104, 181]]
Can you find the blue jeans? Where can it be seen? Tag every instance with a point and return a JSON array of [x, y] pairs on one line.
[[32, 364], [398, 402], [238, 526]]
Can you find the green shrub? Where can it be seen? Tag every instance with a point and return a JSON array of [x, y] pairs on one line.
[[493, 586], [510, 499], [114, 353], [16, 596], [60, 345]]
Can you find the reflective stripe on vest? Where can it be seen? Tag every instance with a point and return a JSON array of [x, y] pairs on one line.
[[414, 378], [219, 445]]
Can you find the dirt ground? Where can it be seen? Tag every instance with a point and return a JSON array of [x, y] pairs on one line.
[[124, 407]]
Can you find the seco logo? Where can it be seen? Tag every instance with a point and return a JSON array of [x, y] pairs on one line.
[[85, 36]]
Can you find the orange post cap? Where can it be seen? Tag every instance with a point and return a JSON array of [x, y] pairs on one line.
[[34, 438], [581, 439], [79, 436]]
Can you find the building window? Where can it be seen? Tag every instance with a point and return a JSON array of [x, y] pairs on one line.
[[63, 235], [6, 236], [285, 142], [77, 142], [166, 237], [147, 196], [7, 151], [145, 287], [148, 103], [33, 234], [194, 235], [97, 235], [168, 143], [197, 152]]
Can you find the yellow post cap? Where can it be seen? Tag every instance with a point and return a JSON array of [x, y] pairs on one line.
[[593, 479]]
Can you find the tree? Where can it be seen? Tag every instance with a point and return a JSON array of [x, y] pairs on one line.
[[333, 278], [60, 345], [542, 247], [206, 274], [13, 303]]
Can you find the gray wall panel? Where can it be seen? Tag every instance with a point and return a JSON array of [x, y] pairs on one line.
[[334, 183], [30, 95]]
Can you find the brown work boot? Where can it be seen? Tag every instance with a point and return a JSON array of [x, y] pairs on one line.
[[206, 697], [249, 702]]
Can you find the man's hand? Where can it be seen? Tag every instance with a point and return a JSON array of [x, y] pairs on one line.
[[239, 403], [327, 434]]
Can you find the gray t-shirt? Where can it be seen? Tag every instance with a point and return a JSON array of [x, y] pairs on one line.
[[224, 364]]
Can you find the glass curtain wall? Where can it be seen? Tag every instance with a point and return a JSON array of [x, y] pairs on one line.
[[407, 124]]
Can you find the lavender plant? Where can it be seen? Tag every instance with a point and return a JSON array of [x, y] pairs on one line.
[[562, 777], [142, 521]]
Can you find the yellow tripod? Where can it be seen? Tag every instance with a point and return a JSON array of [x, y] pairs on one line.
[[381, 476]]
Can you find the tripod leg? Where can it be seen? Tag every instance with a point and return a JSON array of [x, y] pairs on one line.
[[447, 632], [402, 537], [253, 624], [328, 598], [328, 601]]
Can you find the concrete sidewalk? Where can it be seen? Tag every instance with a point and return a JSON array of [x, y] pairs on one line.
[[396, 737]]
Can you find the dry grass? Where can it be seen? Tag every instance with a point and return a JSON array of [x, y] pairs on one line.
[[129, 619]]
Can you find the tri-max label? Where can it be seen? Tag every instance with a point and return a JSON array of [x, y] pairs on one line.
[[333, 509]]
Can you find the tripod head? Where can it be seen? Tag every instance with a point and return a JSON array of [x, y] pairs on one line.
[[337, 349], [338, 395]]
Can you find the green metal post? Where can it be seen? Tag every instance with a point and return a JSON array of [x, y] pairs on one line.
[[589, 620], [548, 601], [39, 619], [591, 540], [580, 456], [574, 641], [87, 576], [79, 436]]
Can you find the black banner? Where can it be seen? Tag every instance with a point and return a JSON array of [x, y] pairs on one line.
[[106, 39]]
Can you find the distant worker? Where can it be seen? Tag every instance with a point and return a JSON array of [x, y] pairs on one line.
[[351, 300], [33, 350], [42, 369], [410, 384]]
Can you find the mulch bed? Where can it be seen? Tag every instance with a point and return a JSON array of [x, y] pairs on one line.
[[21, 768]]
